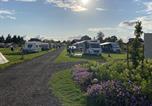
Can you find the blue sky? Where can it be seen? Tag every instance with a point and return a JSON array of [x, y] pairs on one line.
[[66, 19]]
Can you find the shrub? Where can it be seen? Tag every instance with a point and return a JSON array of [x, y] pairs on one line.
[[82, 76], [114, 93]]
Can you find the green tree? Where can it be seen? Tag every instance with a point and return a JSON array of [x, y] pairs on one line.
[[100, 36], [136, 44], [2, 40], [86, 37], [8, 39]]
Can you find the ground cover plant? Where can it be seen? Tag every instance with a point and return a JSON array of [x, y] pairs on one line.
[[113, 84]]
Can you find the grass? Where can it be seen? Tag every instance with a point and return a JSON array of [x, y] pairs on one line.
[[15, 57], [114, 56], [66, 90], [63, 57]]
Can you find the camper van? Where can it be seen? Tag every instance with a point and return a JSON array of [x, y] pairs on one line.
[[32, 47], [111, 47], [45, 46], [89, 47]]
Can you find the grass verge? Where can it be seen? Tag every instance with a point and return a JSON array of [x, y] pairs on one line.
[[66, 90], [64, 57], [15, 57]]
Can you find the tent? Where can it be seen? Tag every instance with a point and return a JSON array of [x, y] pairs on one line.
[[3, 60]]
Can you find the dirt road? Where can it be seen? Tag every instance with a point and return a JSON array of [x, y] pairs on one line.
[[26, 84]]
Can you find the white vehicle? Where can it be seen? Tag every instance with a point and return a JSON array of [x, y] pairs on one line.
[[89, 47], [111, 47], [45, 46], [32, 47]]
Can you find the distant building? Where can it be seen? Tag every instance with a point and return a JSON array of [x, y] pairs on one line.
[[148, 45]]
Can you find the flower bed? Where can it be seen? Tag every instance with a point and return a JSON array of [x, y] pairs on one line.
[[113, 84]]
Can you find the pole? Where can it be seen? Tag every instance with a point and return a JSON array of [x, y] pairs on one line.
[[128, 54]]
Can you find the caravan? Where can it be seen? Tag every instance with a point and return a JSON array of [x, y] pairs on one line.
[[45, 46], [89, 47], [111, 47], [32, 47]]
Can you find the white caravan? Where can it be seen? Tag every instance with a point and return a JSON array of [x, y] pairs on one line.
[[32, 47], [111, 47], [89, 47], [45, 46]]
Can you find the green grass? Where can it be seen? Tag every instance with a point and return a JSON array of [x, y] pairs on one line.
[[114, 56], [15, 57], [66, 90], [64, 57]]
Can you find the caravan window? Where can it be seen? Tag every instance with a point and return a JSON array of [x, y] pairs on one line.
[[95, 46], [29, 45]]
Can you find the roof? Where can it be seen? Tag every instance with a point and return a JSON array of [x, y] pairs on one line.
[[106, 43], [91, 41]]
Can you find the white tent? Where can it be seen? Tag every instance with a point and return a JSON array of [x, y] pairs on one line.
[[3, 60]]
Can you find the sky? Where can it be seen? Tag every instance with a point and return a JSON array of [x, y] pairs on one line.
[[68, 19]]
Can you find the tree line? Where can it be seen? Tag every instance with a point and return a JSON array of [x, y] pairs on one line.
[[12, 39]]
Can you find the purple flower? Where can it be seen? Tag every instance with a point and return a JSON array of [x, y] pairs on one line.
[[94, 90]]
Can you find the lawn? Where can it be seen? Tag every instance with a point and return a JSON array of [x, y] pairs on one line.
[[66, 90], [15, 57], [64, 57]]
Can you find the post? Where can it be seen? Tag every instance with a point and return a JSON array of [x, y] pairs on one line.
[[128, 54]]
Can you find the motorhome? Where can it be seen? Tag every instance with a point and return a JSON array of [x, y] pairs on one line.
[[32, 47], [89, 47], [45, 46], [111, 47]]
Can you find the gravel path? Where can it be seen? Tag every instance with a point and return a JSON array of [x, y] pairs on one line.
[[26, 84]]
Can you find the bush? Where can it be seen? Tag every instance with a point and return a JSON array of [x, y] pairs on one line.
[[117, 85], [114, 93], [82, 76]]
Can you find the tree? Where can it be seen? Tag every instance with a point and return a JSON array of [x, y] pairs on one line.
[[113, 38], [121, 44], [86, 37], [15, 39], [136, 44], [2, 40], [8, 39], [100, 36]]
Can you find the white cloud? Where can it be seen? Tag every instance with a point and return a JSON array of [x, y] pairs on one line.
[[19, 0], [100, 9], [3, 0], [7, 14], [74, 5], [27, 0], [148, 7], [128, 24], [146, 23]]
